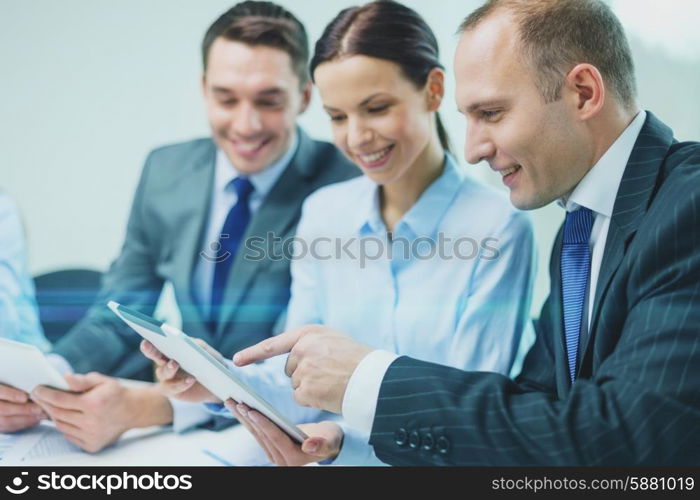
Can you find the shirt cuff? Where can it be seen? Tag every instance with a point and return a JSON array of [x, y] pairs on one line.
[[362, 392], [188, 415], [355, 450], [60, 363]]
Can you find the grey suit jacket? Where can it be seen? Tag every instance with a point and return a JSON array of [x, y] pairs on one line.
[[636, 400], [164, 238]]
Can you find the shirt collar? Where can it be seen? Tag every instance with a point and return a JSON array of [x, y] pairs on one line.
[[425, 215], [598, 188], [261, 181]]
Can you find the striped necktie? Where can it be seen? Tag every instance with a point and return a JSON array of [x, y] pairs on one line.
[[575, 271]]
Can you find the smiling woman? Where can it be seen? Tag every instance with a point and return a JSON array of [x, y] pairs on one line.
[[383, 122], [383, 100]]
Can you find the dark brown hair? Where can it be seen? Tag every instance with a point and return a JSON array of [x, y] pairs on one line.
[[386, 30], [262, 23], [556, 35]]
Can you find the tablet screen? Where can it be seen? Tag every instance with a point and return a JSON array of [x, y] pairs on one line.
[[209, 371], [142, 320]]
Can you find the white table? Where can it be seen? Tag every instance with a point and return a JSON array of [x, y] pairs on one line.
[[159, 446]]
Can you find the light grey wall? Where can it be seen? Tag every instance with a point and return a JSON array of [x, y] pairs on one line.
[[88, 87]]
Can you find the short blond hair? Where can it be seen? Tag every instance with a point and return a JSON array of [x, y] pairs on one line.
[[556, 35]]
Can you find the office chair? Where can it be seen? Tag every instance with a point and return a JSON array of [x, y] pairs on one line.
[[64, 297]]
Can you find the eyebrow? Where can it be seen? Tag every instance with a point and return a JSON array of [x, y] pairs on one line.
[[272, 91], [363, 103], [484, 104]]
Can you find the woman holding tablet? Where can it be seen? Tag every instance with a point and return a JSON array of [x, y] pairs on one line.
[[413, 257]]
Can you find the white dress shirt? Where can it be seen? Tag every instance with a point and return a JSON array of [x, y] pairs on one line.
[[596, 191], [223, 198]]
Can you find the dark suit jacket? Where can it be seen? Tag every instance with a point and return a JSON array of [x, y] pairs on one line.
[[164, 238], [637, 396]]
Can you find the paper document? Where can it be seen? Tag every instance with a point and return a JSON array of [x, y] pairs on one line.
[[42, 441], [7, 442], [24, 366], [244, 450]]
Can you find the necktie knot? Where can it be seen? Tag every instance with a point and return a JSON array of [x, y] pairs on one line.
[[578, 226], [243, 187]]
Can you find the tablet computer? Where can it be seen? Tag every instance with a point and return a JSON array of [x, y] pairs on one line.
[[24, 366], [207, 369]]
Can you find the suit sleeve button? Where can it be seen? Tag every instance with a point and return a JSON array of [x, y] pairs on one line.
[[414, 440], [428, 442], [401, 437], [443, 445]]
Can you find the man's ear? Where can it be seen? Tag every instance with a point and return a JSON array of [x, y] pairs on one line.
[[586, 89], [306, 96], [435, 88]]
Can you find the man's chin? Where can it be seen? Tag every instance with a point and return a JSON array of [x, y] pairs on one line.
[[524, 202], [249, 166]]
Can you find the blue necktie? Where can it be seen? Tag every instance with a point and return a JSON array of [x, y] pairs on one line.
[[229, 240], [575, 270]]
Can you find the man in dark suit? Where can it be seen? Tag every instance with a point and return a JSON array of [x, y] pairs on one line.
[[548, 92], [205, 217]]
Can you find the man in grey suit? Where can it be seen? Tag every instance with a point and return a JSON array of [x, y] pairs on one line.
[[202, 214], [548, 91]]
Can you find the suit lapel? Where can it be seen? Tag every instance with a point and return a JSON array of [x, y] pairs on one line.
[[632, 201], [197, 201], [275, 216]]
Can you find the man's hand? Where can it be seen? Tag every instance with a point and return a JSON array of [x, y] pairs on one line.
[[324, 441], [320, 364], [175, 382], [100, 409], [16, 411]]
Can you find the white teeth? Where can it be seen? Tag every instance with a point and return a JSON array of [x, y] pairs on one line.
[[249, 147], [509, 171], [375, 156]]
